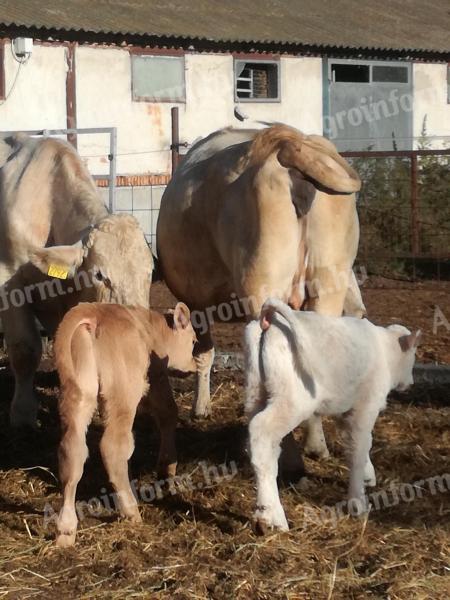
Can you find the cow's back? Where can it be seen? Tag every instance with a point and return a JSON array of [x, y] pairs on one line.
[[44, 189], [187, 231]]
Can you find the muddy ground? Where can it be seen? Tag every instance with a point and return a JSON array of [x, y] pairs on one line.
[[197, 539]]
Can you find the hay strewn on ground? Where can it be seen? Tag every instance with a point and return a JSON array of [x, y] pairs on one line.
[[199, 543]]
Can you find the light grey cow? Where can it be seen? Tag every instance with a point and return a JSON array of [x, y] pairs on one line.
[[58, 245]]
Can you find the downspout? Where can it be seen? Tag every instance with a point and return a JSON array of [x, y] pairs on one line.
[[71, 93]]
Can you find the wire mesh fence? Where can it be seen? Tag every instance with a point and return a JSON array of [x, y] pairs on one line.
[[404, 211], [403, 206]]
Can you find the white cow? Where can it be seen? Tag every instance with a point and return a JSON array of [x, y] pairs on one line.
[[302, 363]]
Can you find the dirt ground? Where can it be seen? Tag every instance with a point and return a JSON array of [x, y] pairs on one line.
[[422, 304], [197, 539]]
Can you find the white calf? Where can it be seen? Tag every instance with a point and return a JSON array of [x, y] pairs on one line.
[[300, 364]]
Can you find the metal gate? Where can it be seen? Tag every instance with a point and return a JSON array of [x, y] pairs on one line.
[[111, 131], [368, 104]]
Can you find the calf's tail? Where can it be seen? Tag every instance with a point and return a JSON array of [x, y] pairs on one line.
[[74, 352], [300, 354], [254, 386]]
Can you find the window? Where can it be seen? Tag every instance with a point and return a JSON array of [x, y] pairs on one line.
[[2, 70], [350, 73], [390, 74], [257, 81], [158, 78]]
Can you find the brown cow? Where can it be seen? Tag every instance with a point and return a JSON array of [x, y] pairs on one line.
[[259, 213], [107, 352]]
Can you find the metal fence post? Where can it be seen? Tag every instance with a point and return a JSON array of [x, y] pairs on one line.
[[112, 168], [175, 145], [415, 226]]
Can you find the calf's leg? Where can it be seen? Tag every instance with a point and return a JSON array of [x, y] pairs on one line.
[[76, 414], [290, 461], [315, 442], [165, 412], [266, 430], [362, 421], [117, 445], [370, 478]]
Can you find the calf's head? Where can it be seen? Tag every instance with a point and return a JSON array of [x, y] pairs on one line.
[[181, 339], [113, 262], [406, 355]]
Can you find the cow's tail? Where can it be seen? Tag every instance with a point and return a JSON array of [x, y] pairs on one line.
[[300, 355], [74, 354]]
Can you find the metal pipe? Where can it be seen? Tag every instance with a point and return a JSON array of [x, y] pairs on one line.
[[415, 241], [175, 145]]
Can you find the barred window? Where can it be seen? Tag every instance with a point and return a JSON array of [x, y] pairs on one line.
[[257, 81]]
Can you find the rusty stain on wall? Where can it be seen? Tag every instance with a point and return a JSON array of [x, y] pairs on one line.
[[154, 110]]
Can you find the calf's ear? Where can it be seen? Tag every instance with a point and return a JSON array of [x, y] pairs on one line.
[[181, 316], [410, 341], [266, 317], [58, 261]]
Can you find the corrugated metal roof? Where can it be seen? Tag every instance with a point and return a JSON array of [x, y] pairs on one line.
[[358, 24]]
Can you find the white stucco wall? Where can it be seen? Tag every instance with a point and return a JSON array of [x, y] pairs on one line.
[[104, 100], [103, 78], [430, 99], [103, 87], [210, 96], [38, 100]]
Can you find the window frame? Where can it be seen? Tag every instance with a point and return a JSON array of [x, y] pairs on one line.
[[2, 70], [370, 63], [239, 60], [448, 83], [151, 99]]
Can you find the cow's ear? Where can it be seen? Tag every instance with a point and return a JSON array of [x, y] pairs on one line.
[[320, 162], [181, 316], [58, 261], [407, 342]]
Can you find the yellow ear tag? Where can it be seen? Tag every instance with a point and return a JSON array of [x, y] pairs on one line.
[[58, 271]]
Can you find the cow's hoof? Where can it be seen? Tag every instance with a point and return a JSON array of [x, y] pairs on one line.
[[65, 540], [20, 422], [165, 471], [263, 527], [372, 482], [358, 507], [317, 452], [135, 518], [131, 515], [290, 476], [268, 520], [200, 414]]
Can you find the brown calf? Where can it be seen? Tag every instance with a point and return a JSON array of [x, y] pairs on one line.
[[104, 354]]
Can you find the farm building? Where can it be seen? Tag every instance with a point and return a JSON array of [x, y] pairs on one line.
[[132, 84], [366, 76], [369, 77]]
